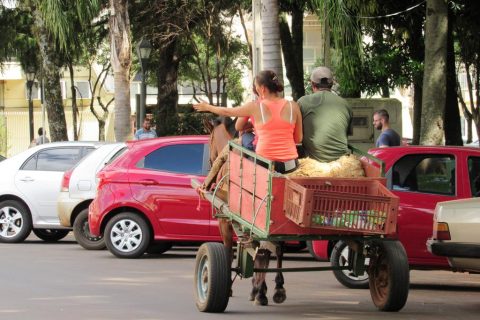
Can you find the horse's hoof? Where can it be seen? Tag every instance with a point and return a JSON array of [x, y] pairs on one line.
[[261, 300], [253, 294], [280, 295]]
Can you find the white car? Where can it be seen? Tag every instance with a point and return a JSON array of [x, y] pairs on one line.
[[456, 234], [29, 187], [79, 186]]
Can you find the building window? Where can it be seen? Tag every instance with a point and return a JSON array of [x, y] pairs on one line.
[[82, 88]]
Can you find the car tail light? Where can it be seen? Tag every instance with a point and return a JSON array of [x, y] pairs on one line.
[[66, 180], [441, 231]]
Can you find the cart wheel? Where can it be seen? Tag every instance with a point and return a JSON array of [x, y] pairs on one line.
[[212, 278], [389, 276]]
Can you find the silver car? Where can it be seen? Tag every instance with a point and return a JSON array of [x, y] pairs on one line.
[[78, 188]]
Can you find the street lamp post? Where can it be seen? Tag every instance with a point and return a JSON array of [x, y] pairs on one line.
[[143, 51], [30, 75]]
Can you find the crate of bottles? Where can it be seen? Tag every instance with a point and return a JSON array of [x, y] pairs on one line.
[[359, 205]]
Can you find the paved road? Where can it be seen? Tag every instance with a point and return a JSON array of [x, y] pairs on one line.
[[64, 281]]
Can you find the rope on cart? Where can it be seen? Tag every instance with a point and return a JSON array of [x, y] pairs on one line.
[[215, 191]]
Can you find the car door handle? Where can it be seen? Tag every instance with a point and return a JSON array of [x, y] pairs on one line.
[[27, 179], [148, 182]]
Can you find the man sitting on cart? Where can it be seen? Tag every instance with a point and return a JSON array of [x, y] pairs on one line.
[[326, 119]]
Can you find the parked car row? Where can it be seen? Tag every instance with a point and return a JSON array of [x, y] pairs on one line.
[[143, 198], [421, 177]]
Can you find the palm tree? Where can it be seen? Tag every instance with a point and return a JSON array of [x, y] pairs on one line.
[[55, 28], [50, 75], [271, 49], [121, 58]]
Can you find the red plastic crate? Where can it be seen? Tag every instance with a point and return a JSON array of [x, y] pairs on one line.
[[345, 204]]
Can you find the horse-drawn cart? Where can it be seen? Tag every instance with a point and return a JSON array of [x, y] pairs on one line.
[[269, 208]]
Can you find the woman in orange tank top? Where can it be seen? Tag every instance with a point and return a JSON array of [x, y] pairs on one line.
[[278, 122]]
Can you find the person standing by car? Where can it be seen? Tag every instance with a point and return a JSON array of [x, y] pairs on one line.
[[42, 138], [146, 132], [326, 119], [388, 137]]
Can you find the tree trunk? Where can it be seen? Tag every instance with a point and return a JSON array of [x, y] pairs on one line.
[[378, 39], [101, 130], [292, 48], [416, 44], [271, 50], [121, 58], [167, 98], [417, 109], [249, 40], [51, 67], [290, 53], [453, 129], [74, 101], [325, 37], [434, 78]]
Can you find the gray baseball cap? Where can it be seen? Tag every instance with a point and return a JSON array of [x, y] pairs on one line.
[[320, 73]]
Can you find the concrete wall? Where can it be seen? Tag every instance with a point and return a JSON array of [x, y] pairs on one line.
[[364, 135]]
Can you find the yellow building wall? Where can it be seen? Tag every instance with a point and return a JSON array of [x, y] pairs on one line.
[[14, 112]]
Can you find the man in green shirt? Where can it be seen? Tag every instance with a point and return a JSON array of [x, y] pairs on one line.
[[326, 119]]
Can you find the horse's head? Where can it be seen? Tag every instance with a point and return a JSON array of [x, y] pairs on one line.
[[221, 130]]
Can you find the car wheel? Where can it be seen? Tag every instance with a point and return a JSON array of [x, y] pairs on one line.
[[127, 235], [339, 258], [15, 221], [82, 234], [159, 247], [51, 235]]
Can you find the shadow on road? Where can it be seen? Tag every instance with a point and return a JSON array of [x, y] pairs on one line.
[[37, 242], [444, 287]]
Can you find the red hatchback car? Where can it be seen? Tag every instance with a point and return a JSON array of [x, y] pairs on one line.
[[420, 176], [145, 201]]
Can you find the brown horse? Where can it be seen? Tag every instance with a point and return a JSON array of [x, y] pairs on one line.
[[221, 131]]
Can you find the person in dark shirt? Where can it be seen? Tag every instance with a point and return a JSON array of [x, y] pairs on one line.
[[388, 137]]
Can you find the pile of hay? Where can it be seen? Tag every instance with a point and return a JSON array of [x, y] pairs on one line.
[[347, 166]]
